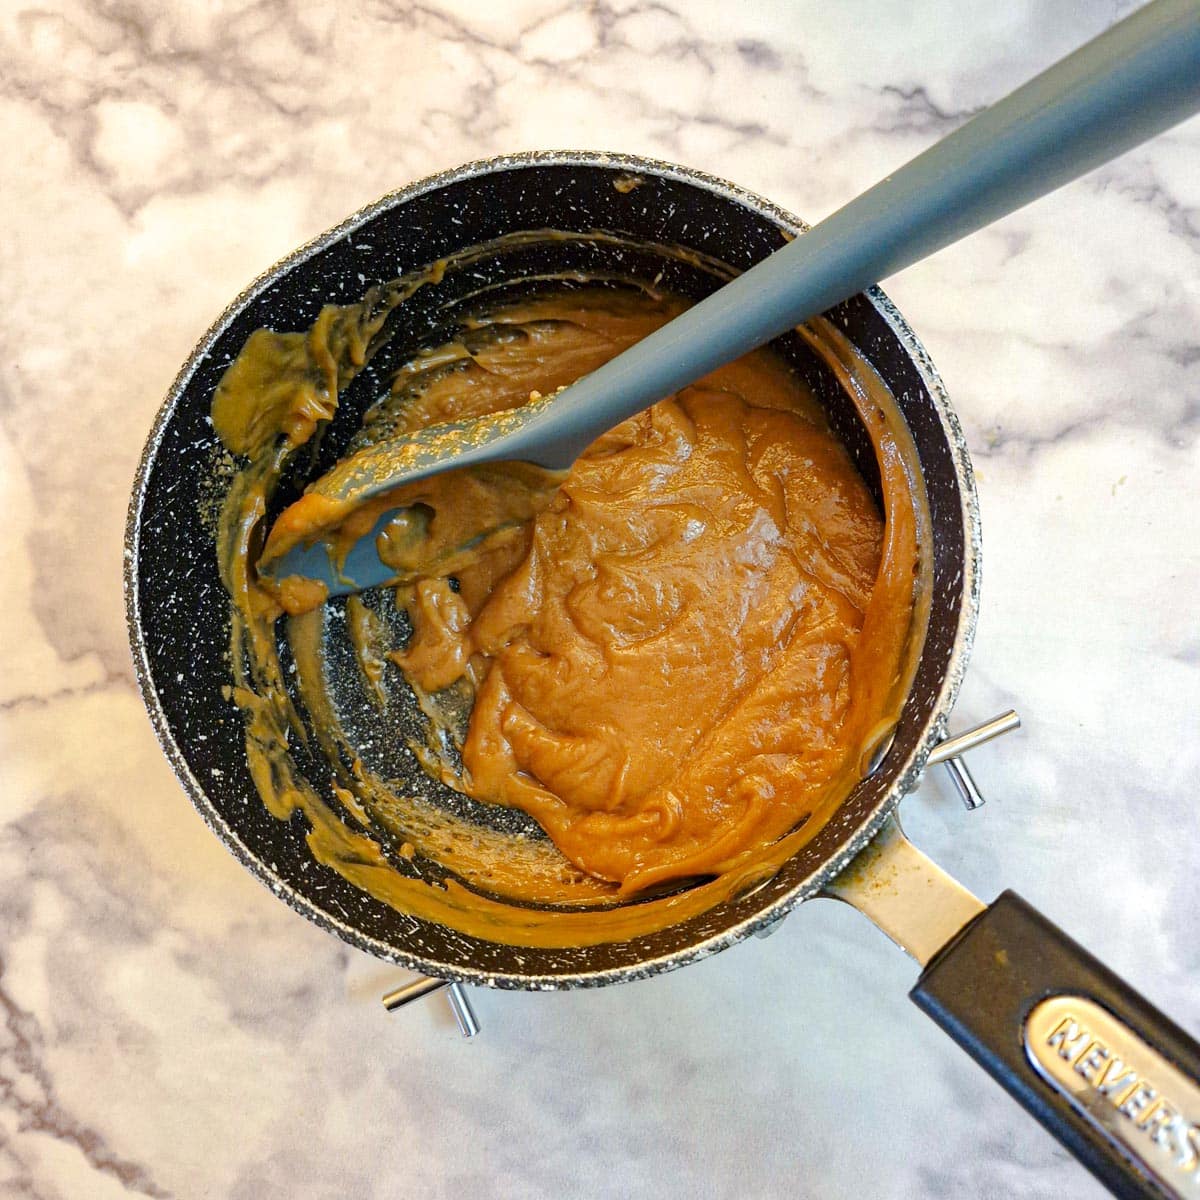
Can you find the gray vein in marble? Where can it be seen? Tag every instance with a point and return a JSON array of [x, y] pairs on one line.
[[27, 1091], [606, 26], [123, 680], [135, 60], [918, 113], [1137, 180], [116, 37], [1166, 403]]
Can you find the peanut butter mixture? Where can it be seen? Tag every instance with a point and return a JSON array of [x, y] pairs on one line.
[[672, 658]]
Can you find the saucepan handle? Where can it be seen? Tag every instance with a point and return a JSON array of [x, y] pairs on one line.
[[1103, 1070], [1112, 1078]]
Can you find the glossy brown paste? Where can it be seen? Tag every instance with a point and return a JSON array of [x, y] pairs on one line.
[[676, 661]]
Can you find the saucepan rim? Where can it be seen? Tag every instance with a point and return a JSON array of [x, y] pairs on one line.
[[906, 777]]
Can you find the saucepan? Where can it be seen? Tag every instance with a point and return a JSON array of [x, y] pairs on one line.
[[1111, 1077]]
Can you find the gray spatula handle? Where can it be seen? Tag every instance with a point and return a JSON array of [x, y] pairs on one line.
[[1138, 78]]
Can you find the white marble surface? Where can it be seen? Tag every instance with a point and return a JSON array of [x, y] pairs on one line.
[[167, 1028]]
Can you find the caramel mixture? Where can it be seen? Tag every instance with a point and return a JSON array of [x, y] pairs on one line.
[[676, 659]]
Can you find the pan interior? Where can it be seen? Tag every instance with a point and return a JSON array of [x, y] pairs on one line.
[[370, 731], [388, 747]]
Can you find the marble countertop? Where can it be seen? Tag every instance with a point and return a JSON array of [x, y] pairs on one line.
[[168, 1028]]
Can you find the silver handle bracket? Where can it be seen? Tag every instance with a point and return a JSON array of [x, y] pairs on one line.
[[426, 985], [949, 753]]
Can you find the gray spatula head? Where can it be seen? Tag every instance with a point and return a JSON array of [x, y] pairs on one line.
[[515, 435], [361, 569]]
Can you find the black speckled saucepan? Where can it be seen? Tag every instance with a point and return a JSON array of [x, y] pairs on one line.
[[1006, 984]]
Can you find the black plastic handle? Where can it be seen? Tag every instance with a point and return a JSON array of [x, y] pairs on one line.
[[1109, 1075]]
